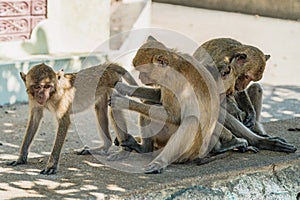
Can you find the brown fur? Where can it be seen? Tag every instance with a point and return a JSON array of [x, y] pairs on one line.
[[56, 92], [247, 62], [190, 132], [224, 56]]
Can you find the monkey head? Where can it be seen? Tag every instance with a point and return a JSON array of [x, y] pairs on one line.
[[249, 64], [41, 83], [152, 54]]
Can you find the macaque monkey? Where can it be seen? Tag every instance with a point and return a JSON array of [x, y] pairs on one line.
[[248, 64], [188, 109], [58, 92], [236, 66]]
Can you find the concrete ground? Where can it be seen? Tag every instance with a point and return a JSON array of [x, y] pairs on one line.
[[265, 175]]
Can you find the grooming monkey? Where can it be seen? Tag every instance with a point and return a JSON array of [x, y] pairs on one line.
[[237, 64], [57, 92], [224, 77], [248, 64], [189, 106]]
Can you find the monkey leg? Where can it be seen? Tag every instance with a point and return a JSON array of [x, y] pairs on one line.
[[146, 144], [181, 146], [255, 93], [34, 120], [101, 110], [268, 143], [233, 109], [245, 104], [120, 127], [63, 126], [228, 141]]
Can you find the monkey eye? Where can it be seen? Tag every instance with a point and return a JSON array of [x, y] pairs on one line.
[[36, 87], [159, 59], [246, 77], [47, 86]]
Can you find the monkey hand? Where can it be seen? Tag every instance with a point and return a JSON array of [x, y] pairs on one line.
[[250, 120], [275, 144], [118, 102]]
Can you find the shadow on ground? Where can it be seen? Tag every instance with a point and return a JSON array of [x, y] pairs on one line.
[[280, 102], [237, 175]]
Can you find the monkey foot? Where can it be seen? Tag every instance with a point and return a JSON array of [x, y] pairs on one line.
[[15, 163], [122, 154], [248, 148], [235, 143], [154, 168], [87, 151], [49, 171], [275, 144]]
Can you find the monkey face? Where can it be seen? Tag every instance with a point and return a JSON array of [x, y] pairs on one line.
[[41, 82], [41, 92], [249, 65]]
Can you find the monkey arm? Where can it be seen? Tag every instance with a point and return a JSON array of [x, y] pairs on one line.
[[155, 112], [151, 94], [36, 114], [269, 143], [244, 103], [63, 126]]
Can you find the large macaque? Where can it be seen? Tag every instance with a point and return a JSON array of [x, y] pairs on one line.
[[59, 93], [188, 109]]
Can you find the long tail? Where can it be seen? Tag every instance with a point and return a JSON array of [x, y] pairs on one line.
[[125, 74]]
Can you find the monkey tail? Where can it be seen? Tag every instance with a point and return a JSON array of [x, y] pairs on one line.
[[124, 73]]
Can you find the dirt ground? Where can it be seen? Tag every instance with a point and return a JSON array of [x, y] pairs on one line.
[[92, 177]]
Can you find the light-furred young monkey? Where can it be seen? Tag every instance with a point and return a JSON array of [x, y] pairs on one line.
[[57, 92], [189, 106]]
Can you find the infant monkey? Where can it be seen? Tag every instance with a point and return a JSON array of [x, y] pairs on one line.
[[58, 92]]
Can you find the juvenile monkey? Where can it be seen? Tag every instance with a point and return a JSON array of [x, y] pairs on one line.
[[57, 92], [189, 106]]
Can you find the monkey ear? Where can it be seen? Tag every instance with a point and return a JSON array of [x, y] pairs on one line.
[[60, 73], [239, 58], [23, 76], [151, 38], [267, 57]]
